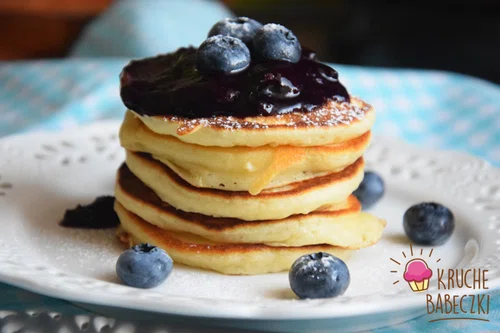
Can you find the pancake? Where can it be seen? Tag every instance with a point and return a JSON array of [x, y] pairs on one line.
[[240, 168], [243, 181], [191, 250], [341, 224], [277, 203], [334, 122]]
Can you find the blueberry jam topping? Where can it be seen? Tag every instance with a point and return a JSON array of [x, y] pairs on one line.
[[170, 85], [308, 53], [97, 215]]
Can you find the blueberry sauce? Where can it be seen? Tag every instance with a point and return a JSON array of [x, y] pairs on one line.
[[96, 215], [170, 85]]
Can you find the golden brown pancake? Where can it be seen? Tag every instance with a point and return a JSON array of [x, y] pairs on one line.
[[331, 123], [277, 203], [191, 250], [340, 224], [240, 168]]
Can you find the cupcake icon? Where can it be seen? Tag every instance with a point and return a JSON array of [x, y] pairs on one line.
[[417, 274]]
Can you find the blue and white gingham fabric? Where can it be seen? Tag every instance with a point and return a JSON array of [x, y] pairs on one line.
[[431, 108]]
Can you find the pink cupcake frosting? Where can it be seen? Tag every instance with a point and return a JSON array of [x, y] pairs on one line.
[[417, 270]]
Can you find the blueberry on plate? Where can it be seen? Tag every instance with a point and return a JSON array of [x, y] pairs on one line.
[[144, 266], [275, 42], [428, 223], [319, 275], [224, 54], [242, 28], [370, 190]]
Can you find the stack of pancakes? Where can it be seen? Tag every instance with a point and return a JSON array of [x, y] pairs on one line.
[[246, 195]]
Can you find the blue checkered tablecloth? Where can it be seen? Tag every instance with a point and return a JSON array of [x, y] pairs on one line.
[[435, 109]]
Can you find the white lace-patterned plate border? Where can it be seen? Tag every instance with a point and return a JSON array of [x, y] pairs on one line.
[[42, 174]]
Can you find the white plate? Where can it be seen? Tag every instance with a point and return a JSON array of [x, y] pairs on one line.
[[43, 174]]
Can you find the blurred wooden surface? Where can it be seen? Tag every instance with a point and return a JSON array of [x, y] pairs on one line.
[[43, 28], [54, 7]]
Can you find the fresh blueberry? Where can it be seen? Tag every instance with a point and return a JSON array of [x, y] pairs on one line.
[[144, 266], [428, 223], [275, 42], [224, 54], [319, 275], [242, 28], [370, 190]]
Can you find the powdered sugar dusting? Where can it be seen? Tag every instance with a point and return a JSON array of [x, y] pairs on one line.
[[333, 114], [236, 26], [274, 27]]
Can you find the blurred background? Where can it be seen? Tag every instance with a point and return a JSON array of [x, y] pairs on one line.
[[460, 36]]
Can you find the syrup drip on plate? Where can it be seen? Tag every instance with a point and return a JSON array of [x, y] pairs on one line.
[[96, 215]]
